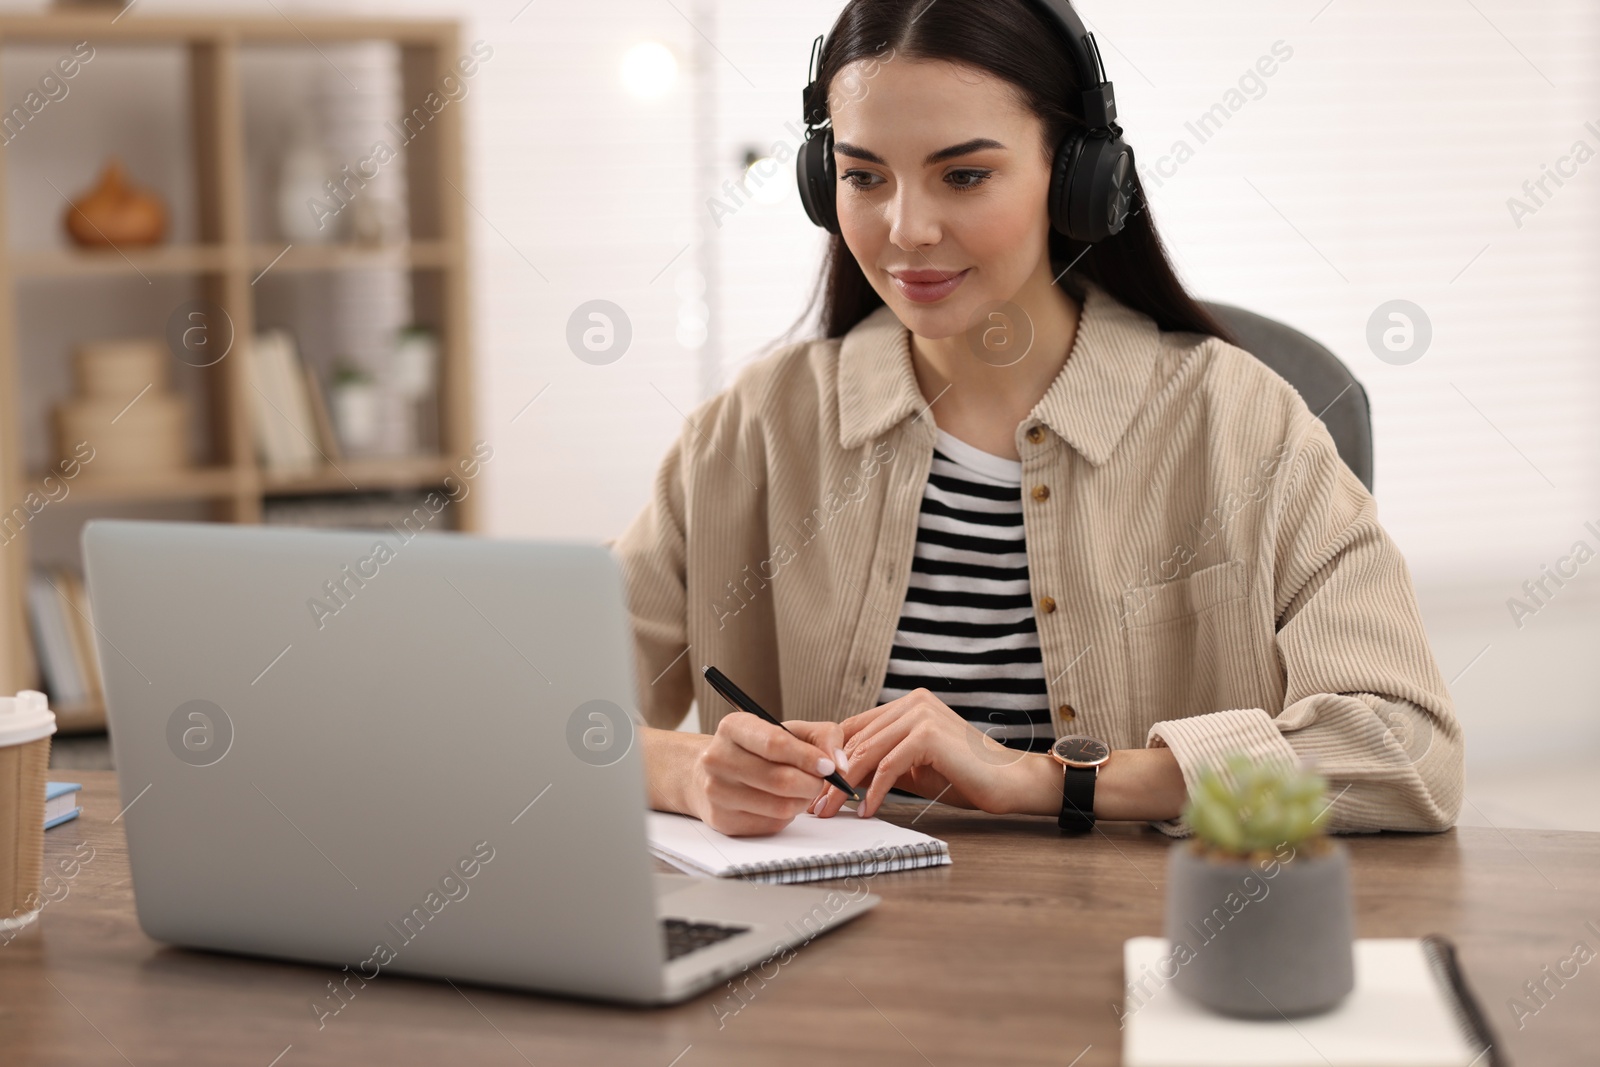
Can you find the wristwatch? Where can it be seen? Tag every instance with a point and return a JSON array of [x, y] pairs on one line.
[[1080, 758]]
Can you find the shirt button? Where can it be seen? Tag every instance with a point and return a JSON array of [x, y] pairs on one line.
[[1067, 713], [1041, 492], [1047, 604], [1035, 434]]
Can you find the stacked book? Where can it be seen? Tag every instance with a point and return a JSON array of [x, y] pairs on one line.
[[63, 637], [350, 511], [60, 803], [293, 432]]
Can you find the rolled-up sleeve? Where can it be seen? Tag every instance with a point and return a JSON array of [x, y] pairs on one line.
[[1364, 701]]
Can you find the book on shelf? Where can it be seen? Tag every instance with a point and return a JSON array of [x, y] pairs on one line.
[[383, 510], [293, 432], [322, 415], [82, 630], [63, 637]]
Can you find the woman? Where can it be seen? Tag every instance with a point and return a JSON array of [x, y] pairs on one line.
[[932, 553]]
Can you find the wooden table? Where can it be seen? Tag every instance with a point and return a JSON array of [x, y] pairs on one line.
[[1013, 955]]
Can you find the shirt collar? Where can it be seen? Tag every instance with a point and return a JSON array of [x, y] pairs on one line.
[[1090, 404]]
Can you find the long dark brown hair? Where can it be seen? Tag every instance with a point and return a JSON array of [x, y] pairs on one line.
[[1016, 41]]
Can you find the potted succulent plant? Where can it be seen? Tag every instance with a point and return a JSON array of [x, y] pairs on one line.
[[1258, 913]]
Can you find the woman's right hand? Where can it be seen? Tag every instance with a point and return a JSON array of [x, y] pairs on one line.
[[753, 778]]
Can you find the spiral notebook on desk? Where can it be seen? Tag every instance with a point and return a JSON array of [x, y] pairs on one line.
[[807, 849]]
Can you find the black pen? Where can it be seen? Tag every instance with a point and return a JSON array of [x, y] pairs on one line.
[[739, 699]]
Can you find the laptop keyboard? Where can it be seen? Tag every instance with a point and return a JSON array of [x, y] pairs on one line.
[[684, 937]]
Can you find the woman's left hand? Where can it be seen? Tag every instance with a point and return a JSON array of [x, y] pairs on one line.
[[919, 744]]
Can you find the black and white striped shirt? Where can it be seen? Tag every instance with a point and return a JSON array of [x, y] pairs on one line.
[[967, 630]]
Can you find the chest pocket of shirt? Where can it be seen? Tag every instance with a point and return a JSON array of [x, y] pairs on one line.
[[1186, 644]]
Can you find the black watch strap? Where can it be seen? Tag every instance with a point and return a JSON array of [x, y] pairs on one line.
[[1077, 799]]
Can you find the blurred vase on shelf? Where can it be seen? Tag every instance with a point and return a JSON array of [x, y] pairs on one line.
[[124, 410], [413, 378], [304, 212], [357, 405], [376, 220], [116, 213]]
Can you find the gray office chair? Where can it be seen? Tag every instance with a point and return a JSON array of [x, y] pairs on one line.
[[1324, 382]]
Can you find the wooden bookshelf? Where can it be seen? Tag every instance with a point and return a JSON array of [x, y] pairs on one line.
[[85, 718], [361, 476], [199, 483], [416, 255], [225, 261], [79, 263]]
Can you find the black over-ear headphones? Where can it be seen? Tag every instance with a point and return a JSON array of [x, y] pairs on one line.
[[1091, 180]]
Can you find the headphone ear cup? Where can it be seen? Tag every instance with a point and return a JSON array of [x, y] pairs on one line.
[[1091, 187], [1061, 182], [814, 169]]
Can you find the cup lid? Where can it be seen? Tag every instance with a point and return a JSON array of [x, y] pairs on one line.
[[25, 717]]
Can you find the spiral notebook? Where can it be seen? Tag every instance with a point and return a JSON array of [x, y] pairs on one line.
[[807, 849], [1411, 1007]]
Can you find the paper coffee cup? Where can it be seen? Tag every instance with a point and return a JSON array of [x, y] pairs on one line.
[[26, 723]]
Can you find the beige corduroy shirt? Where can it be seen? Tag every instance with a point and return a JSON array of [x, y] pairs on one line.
[[1208, 573]]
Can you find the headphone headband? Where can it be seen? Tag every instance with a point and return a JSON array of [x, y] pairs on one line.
[[1099, 99], [812, 69]]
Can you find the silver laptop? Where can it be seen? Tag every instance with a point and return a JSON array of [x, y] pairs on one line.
[[403, 752]]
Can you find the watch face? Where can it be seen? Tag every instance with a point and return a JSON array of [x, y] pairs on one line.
[[1081, 751]]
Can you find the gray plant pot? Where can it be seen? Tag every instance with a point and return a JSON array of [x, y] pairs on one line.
[[1261, 940]]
